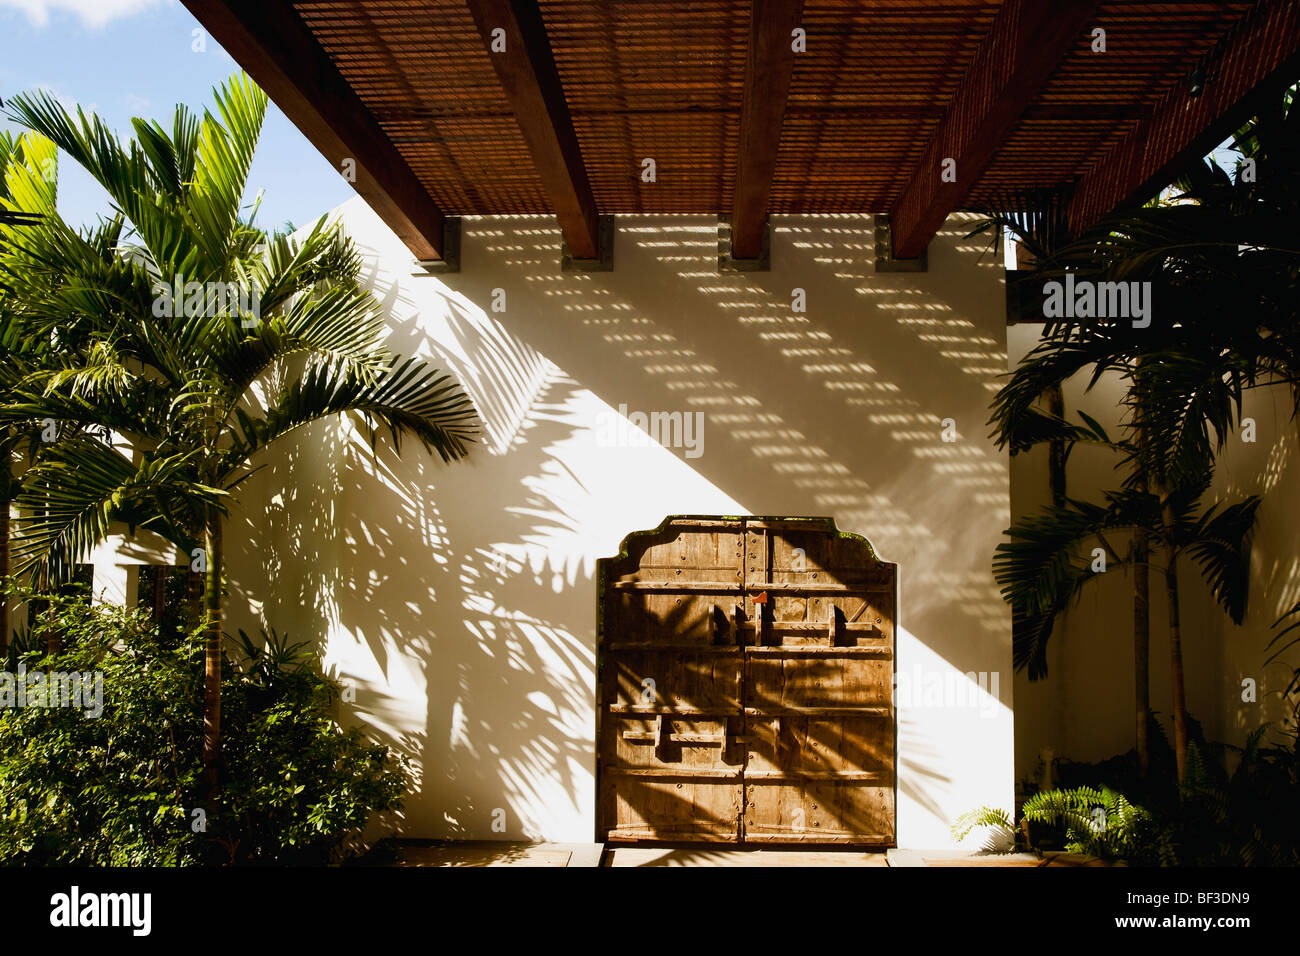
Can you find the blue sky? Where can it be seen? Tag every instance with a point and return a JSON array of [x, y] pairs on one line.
[[125, 58]]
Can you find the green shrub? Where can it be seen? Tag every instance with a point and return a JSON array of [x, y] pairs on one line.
[[1102, 823], [122, 788], [1244, 818], [295, 783], [1216, 817], [110, 790]]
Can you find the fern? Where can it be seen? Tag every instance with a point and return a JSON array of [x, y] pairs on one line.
[[1100, 822], [983, 817]]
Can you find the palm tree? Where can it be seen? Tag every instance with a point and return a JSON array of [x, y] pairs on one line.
[[1040, 231], [185, 383], [1183, 391], [1042, 569], [1185, 375], [1221, 235], [27, 195]]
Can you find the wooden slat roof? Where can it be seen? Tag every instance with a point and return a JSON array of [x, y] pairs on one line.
[[665, 79]]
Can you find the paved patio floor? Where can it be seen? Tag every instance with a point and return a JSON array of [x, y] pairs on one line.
[[704, 856], [476, 854], [502, 854]]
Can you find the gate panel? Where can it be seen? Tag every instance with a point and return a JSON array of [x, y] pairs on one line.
[[668, 779], [669, 762], [821, 747], [746, 670], [819, 688]]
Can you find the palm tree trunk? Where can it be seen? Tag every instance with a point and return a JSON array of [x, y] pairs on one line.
[[1142, 645], [1142, 615], [1056, 450], [196, 598], [1175, 645], [212, 656], [6, 476], [52, 642], [160, 594]]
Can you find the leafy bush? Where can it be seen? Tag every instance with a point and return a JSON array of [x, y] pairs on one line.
[[295, 784], [1216, 817], [122, 788], [1245, 818], [1101, 823], [109, 790]]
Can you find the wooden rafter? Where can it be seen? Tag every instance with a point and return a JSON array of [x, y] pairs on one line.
[[522, 57], [270, 41], [348, 73], [1027, 40], [769, 64], [1261, 52]]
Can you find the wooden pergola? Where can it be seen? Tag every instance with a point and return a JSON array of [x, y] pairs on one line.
[[746, 108]]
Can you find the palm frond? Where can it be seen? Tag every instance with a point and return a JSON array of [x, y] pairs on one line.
[[78, 489], [406, 397], [1220, 546]]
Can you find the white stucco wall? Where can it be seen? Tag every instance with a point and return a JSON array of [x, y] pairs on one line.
[[460, 599]]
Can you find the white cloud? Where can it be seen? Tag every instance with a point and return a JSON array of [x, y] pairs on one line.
[[92, 13]]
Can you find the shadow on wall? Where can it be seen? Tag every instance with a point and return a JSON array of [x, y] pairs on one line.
[[839, 410], [1266, 466], [401, 563], [462, 599]]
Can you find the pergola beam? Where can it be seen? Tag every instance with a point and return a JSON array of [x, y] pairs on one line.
[[532, 86], [1260, 54], [269, 40], [1024, 45], [769, 64]]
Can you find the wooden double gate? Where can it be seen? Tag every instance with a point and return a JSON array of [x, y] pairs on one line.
[[744, 690]]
